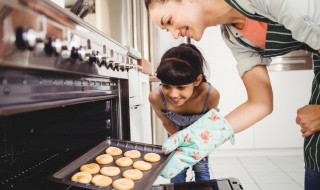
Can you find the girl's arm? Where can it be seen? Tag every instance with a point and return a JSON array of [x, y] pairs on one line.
[[213, 99], [156, 102], [259, 103]]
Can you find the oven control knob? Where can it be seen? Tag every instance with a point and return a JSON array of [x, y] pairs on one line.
[[104, 60], [53, 46], [84, 54], [26, 38], [74, 54], [95, 57]]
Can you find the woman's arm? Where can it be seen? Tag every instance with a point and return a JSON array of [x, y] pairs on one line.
[[259, 103], [156, 102]]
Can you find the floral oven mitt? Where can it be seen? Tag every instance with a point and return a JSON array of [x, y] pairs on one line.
[[196, 142]]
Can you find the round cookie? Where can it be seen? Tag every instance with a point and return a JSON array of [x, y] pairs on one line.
[[82, 177], [124, 161], [113, 151], [101, 180], [151, 157], [123, 184], [133, 174], [104, 159], [110, 171], [142, 165], [91, 168], [132, 154]]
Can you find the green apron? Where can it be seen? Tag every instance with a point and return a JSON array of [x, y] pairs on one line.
[[275, 33]]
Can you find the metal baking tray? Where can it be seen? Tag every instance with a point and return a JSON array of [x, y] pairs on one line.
[[64, 175]]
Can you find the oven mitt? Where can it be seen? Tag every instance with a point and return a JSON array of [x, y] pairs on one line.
[[196, 142]]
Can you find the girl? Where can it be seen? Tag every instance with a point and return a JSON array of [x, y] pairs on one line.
[[255, 31], [183, 96]]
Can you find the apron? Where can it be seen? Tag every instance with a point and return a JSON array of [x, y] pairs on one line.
[[277, 32]]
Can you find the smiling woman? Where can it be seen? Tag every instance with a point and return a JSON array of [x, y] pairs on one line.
[[288, 28], [174, 16]]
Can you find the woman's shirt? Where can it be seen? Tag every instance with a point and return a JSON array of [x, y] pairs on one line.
[[255, 31], [302, 19]]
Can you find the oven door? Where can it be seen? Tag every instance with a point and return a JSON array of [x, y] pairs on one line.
[[214, 184]]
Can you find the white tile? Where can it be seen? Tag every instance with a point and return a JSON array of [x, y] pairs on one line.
[[285, 159], [292, 167], [271, 178], [267, 167], [227, 168], [224, 160], [254, 160], [298, 177], [280, 187]]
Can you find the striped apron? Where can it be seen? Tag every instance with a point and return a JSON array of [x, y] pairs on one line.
[[275, 33]]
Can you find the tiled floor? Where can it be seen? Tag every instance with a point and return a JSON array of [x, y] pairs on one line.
[[258, 172], [261, 172]]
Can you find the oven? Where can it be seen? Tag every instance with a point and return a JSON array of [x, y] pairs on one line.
[[64, 89]]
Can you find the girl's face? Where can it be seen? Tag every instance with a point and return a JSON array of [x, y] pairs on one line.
[[180, 18], [177, 95]]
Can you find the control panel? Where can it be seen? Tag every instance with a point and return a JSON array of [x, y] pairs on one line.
[[39, 34]]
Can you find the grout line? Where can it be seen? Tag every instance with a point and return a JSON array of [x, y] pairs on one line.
[[283, 171], [248, 173]]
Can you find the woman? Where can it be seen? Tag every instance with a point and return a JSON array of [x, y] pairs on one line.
[[256, 30]]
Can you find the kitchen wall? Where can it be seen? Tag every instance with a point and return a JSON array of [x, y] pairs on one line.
[[291, 91]]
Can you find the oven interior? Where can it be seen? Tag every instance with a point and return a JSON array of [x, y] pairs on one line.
[[35, 144]]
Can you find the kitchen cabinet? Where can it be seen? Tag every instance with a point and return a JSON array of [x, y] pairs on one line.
[[140, 113]]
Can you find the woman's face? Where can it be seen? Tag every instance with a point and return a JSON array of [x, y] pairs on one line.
[[180, 18], [177, 95]]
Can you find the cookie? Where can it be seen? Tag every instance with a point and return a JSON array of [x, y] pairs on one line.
[[104, 159], [123, 184], [132, 154], [151, 157], [113, 151], [124, 161], [110, 171], [101, 180], [142, 165], [91, 168], [82, 177], [133, 174]]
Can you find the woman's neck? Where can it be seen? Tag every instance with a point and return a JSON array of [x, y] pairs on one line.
[[220, 12]]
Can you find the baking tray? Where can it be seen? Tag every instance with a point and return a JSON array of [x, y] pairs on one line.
[[64, 175]]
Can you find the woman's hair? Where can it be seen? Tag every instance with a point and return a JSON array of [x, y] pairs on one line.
[[149, 3], [181, 65]]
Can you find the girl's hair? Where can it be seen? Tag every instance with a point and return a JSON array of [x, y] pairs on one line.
[[181, 65]]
